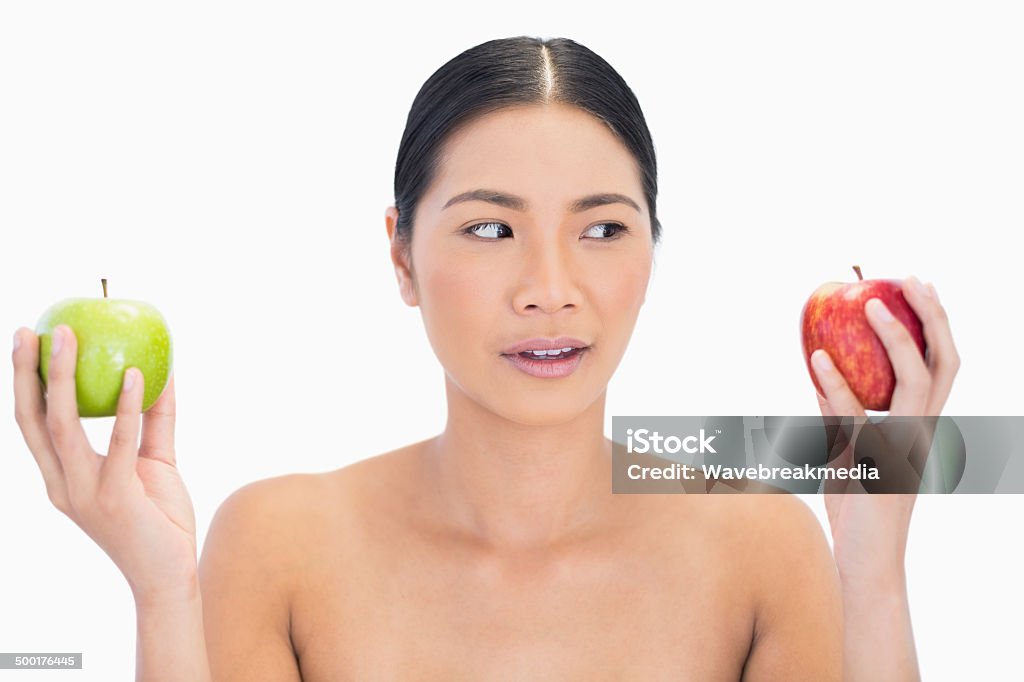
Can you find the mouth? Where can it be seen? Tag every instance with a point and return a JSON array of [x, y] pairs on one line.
[[562, 343], [548, 364], [550, 355]]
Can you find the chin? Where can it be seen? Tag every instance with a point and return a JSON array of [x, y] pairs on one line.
[[538, 406], [530, 401]]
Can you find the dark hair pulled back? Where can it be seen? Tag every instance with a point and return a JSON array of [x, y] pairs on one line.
[[511, 72]]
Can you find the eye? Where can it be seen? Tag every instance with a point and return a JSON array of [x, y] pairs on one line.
[[611, 230], [615, 228], [491, 227]]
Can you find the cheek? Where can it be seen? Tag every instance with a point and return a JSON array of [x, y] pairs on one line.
[[622, 287], [619, 295], [455, 303]]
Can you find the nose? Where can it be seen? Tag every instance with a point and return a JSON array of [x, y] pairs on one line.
[[548, 278]]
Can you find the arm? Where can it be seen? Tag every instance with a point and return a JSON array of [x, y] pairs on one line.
[[132, 501], [246, 572], [869, 532], [231, 621], [170, 643], [798, 621], [878, 636]]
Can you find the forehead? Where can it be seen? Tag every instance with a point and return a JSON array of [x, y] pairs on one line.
[[548, 152]]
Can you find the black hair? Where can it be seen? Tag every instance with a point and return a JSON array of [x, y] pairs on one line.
[[510, 72]]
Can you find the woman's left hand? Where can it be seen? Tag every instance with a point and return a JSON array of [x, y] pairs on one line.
[[869, 532]]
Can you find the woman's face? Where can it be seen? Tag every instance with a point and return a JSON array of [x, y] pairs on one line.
[[487, 275]]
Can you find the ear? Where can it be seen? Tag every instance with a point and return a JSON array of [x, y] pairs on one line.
[[400, 259]]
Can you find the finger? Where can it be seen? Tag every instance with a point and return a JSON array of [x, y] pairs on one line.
[[913, 380], [838, 436], [62, 419], [30, 413], [943, 359], [841, 399], [119, 467], [826, 409], [158, 427]]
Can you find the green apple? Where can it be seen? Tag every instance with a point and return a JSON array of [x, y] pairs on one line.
[[113, 335]]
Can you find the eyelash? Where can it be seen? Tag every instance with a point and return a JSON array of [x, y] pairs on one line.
[[619, 230]]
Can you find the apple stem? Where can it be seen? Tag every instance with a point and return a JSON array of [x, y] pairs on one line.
[[104, 282], [856, 268]]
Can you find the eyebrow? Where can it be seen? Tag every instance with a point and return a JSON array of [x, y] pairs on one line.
[[519, 204]]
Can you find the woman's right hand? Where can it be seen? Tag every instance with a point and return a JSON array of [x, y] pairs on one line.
[[131, 502]]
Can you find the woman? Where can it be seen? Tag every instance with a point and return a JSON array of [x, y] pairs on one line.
[[524, 220]]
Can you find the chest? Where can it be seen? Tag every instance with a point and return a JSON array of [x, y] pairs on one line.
[[414, 614]]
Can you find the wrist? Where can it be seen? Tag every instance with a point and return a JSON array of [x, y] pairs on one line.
[[881, 582], [176, 593]]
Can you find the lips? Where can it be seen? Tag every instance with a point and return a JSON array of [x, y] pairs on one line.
[[545, 344], [549, 356], [548, 366]]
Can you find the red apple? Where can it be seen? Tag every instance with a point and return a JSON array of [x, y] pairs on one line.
[[833, 318]]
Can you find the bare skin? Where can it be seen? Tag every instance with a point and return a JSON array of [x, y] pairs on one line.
[[496, 549], [659, 587]]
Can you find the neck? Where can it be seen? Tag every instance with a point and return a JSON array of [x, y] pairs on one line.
[[512, 485]]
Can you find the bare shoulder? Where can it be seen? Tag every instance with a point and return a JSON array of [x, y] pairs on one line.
[[271, 541], [272, 507], [763, 565], [768, 524], [775, 545], [285, 491], [251, 556], [764, 524], [771, 540], [261, 515], [284, 524], [257, 533]]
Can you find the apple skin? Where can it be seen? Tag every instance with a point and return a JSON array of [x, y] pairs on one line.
[[834, 319], [113, 335]]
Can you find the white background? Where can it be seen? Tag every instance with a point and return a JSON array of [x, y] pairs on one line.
[[231, 164]]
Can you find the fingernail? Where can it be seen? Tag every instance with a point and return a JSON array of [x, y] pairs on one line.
[[58, 341], [920, 288], [935, 294], [822, 361], [879, 310], [17, 341], [129, 380]]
